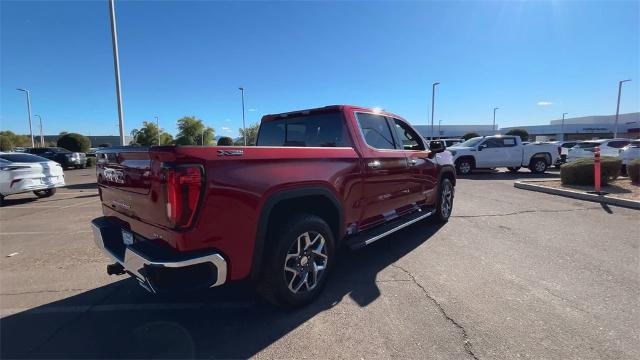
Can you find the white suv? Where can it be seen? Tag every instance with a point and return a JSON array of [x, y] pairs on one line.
[[608, 147], [629, 153]]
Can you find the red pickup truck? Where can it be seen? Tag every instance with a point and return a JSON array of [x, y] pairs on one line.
[[190, 217]]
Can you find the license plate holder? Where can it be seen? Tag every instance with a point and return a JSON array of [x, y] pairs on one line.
[[127, 237]]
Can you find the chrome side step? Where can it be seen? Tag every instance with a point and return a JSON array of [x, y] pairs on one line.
[[369, 236]]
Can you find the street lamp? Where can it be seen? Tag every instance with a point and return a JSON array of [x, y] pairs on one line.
[[562, 126], [439, 124], [615, 129], [116, 66], [433, 98], [41, 135], [158, 126], [244, 127], [28, 92], [494, 118]]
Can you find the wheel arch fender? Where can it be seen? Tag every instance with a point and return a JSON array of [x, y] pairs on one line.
[[547, 157], [288, 196]]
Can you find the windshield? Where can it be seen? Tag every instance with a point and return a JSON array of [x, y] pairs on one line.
[[470, 143]]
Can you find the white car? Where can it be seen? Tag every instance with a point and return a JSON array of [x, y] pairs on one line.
[[502, 151], [608, 147], [629, 153], [20, 173]]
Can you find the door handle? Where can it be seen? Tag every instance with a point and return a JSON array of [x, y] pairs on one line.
[[375, 164], [413, 162]]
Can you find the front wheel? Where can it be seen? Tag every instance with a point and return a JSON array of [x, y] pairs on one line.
[[45, 193], [299, 262], [513, 169], [445, 201], [538, 165], [464, 166]]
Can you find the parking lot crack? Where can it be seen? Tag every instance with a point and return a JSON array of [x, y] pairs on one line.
[[465, 337], [525, 212], [40, 292]]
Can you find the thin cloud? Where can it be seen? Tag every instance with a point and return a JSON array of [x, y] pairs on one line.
[[227, 120], [252, 109], [224, 128], [545, 103]]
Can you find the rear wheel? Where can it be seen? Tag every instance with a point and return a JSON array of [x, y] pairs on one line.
[[299, 262], [464, 166], [445, 201], [538, 165], [45, 193], [513, 169]]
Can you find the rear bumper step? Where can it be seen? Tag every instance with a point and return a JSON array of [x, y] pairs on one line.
[[158, 269]]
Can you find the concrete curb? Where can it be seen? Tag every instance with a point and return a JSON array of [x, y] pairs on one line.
[[603, 199]]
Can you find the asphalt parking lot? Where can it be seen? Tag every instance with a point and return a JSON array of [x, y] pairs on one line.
[[514, 274]]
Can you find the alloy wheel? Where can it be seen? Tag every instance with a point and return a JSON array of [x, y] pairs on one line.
[[446, 199], [305, 262]]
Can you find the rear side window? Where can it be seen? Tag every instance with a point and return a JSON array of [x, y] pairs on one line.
[[618, 144], [25, 158], [586, 145], [376, 131], [568, 145], [508, 142], [319, 130]]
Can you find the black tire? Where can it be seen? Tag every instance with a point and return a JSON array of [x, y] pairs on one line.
[[513, 169], [1, 200], [45, 193], [275, 280], [464, 166], [538, 165], [442, 212]]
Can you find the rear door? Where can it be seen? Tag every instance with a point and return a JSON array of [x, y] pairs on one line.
[[511, 151], [386, 192], [424, 172], [489, 153]]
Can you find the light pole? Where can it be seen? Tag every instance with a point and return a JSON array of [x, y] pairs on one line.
[[116, 65], [28, 92], [494, 118], [439, 124], [562, 126], [158, 126], [433, 103], [615, 129], [244, 127], [41, 135]]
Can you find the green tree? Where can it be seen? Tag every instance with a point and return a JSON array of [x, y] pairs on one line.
[[225, 141], [5, 143], [191, 131], [74, 142], [252, 135], [524, 135], [147, 135], [470, 135], [17, 140]]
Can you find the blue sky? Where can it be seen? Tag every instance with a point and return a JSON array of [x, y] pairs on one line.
[[188, 58]]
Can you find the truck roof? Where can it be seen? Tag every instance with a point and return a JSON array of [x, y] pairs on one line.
[[329, 108]]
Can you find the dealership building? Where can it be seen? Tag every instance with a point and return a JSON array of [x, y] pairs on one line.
[[578, 128]]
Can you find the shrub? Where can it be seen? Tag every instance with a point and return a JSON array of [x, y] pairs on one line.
[[524, 135], [633, 170], [225, 141], [91, 161], [580, 172], [74, 142]]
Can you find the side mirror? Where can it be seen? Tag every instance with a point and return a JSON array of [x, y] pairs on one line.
[[482, 146], [436, 146]]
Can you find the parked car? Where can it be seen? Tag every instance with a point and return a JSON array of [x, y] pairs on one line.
[[608, 147], [451, 142], [502, 151], [564, 150], [62, 156], [628, 154], [191, 217], [20, 173]]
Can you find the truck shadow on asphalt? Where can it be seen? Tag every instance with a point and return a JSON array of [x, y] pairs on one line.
[[121, 320]]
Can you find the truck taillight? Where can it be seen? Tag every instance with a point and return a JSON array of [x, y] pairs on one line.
[[183, 190]]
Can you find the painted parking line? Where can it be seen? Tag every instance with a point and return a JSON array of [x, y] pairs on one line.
[[126, 307]]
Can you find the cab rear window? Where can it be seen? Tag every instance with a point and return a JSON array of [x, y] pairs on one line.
[[314, 130]]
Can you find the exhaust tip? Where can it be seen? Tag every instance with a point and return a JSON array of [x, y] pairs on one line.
[[115, 269]]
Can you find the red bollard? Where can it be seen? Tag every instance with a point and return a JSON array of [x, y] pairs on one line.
[[596, 168]]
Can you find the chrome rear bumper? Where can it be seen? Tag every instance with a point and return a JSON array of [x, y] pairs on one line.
[[156, 267]]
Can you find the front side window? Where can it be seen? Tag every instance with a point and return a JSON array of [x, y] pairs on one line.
[[493, 143], [318, 130], [376, 131], [409, 139]]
